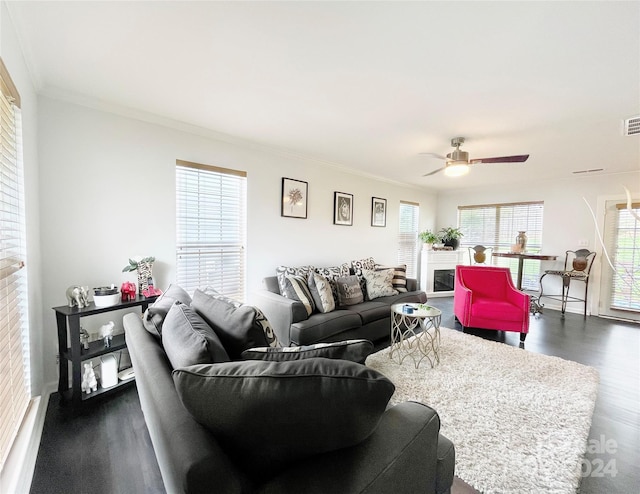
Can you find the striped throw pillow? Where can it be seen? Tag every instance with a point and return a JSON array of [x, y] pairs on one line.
[[296, 288], [399, 280]]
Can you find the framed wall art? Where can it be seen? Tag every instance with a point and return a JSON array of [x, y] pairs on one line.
[[378, 211], [342, 209], [294, 198]]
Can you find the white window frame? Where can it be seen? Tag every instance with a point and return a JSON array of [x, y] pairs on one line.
[[211, 228], [497, 225], [409, 216], [15, 385]]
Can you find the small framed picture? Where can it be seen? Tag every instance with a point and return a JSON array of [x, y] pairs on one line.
[[342, 209], [294, 198], [378, 211]]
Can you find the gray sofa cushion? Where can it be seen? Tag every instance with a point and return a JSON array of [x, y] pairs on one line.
[[188, 339], [322, 326], [287, 411], [237, 327], [154, 315], [371, 311], [353, 350]]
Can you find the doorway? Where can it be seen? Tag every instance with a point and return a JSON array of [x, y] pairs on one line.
[[620, 264]]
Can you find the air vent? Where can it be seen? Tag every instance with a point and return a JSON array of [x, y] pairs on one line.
[[632, 126]]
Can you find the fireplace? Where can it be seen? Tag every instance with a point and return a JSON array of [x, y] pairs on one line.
[[437, 271]]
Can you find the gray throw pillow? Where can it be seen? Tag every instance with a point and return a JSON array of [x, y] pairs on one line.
[[353, 350], [267, 415], [260, 321], [349, 290], [188, 339], [237, 327], [154, 315]]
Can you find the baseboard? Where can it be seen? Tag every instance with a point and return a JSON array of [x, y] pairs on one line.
[[18, 470]]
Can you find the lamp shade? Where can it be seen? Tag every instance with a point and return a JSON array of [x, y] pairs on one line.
[[456, 169]]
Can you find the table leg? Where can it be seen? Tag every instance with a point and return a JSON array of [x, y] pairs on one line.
[[520, 265]]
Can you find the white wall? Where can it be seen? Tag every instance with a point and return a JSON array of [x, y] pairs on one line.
[[108, 193], [14, 61], [567, 218]]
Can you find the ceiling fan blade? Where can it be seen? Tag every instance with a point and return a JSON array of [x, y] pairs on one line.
[[435, 155], [521, 158], [434, 172]]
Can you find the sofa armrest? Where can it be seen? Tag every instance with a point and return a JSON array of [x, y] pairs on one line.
[[401, 456], [189, 457], [280, 311]]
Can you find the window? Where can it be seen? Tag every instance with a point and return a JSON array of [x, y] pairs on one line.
[[497, 225], [625, 290], [15, 390], [408, 237], [211, 228]]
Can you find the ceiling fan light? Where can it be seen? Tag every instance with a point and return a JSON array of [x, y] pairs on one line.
[[456, 169]]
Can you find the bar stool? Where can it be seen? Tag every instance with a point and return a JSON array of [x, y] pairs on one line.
[[577, 266]]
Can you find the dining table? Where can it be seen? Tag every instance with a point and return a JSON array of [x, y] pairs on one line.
[[521, 257]]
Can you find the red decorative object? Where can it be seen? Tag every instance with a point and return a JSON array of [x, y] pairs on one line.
[[128, 291], [151, 291]]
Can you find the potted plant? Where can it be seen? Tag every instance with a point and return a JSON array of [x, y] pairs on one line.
[[451, 237], [144, 268], [429, 237]]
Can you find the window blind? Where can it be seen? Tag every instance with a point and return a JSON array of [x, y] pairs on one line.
[[211, 228], [15, 391], [408, 237], [497, 225]]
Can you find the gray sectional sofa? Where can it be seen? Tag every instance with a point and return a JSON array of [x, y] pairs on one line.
[[314, 423], [370, 319]]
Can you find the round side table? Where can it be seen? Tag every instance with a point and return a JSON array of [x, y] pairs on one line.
[[415, 334]]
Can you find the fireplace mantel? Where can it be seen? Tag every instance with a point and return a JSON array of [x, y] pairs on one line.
[[444, 262]]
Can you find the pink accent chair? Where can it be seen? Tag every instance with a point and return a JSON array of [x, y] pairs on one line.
[[485, 297]]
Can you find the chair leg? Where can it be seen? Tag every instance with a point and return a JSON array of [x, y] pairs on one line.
[[586, 288], [566, 281], [523, 337]]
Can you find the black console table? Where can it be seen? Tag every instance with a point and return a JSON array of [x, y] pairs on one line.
[[69, 318]]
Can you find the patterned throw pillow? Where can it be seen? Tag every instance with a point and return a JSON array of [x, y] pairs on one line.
[[269, 333], [332, 274], [321, 292], [399, 280], [358, 267], [379, 283], [296, 288], [282, 271], [349, 291]]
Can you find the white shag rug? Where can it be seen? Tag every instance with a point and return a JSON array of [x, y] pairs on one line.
[[519, 420]]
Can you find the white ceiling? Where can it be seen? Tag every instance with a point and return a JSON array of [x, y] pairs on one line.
[[364, 85]]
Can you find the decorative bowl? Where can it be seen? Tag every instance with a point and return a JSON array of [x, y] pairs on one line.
[[106, 296]]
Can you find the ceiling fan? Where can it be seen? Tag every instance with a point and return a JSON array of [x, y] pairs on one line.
[[458, 162]]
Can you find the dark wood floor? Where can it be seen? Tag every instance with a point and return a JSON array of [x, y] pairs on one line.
[[105, 448]]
